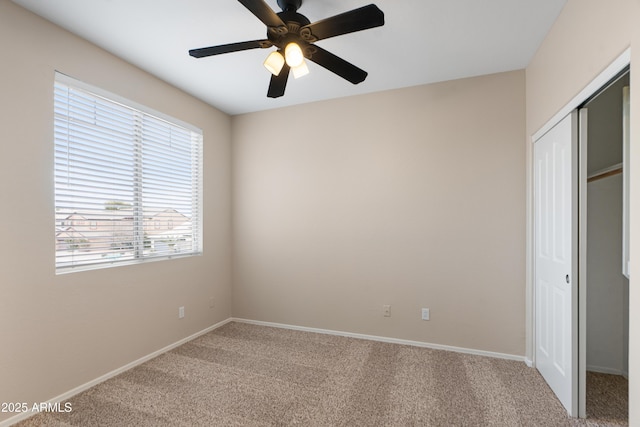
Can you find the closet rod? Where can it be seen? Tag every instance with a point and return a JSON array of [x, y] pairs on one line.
[[605, 173]]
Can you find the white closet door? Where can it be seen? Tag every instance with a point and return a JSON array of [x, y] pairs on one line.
[[556, 284]]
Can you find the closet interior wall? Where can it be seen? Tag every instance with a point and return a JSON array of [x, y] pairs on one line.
[[607, 287]]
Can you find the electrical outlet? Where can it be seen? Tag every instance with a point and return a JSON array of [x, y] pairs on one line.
[[425, 314], [180, 312], [212, 302], [386, 310]]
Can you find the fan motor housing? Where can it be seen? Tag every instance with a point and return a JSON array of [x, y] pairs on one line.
[[294, 21], [294, 17]]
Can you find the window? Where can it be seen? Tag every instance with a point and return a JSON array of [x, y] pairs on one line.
[[120, 169]]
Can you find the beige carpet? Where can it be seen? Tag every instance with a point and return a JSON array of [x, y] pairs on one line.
[[249, 375], [607, 399]]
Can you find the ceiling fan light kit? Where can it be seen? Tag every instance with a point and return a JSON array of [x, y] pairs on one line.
[[274, 63], [293, 55], [293, 34], [300, 71]]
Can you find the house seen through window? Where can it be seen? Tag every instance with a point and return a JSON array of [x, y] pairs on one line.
[[128, 181]]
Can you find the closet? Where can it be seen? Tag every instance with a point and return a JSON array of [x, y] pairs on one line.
[[607, 314]]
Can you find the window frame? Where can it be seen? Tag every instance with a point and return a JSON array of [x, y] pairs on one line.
[[137, 235]]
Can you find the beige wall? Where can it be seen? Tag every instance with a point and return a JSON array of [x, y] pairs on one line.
[[58, 332], [413, 197], [586, 38]]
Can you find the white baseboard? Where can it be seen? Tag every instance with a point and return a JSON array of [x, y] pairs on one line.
[[385, 339], [606, 370], [529, 362], [88, 385]]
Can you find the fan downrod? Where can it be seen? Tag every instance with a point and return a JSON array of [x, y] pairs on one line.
[[289, 5]]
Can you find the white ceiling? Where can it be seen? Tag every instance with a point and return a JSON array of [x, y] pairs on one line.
[[422, 41]]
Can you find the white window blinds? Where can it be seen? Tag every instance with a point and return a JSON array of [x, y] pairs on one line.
[[128, 183]]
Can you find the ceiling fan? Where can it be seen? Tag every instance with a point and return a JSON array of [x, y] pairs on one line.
[[294, 36]]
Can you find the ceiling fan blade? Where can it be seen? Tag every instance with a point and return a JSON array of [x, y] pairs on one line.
[[228, 48], [263, 12], [339, 66], [349, 22], [278, 83]]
